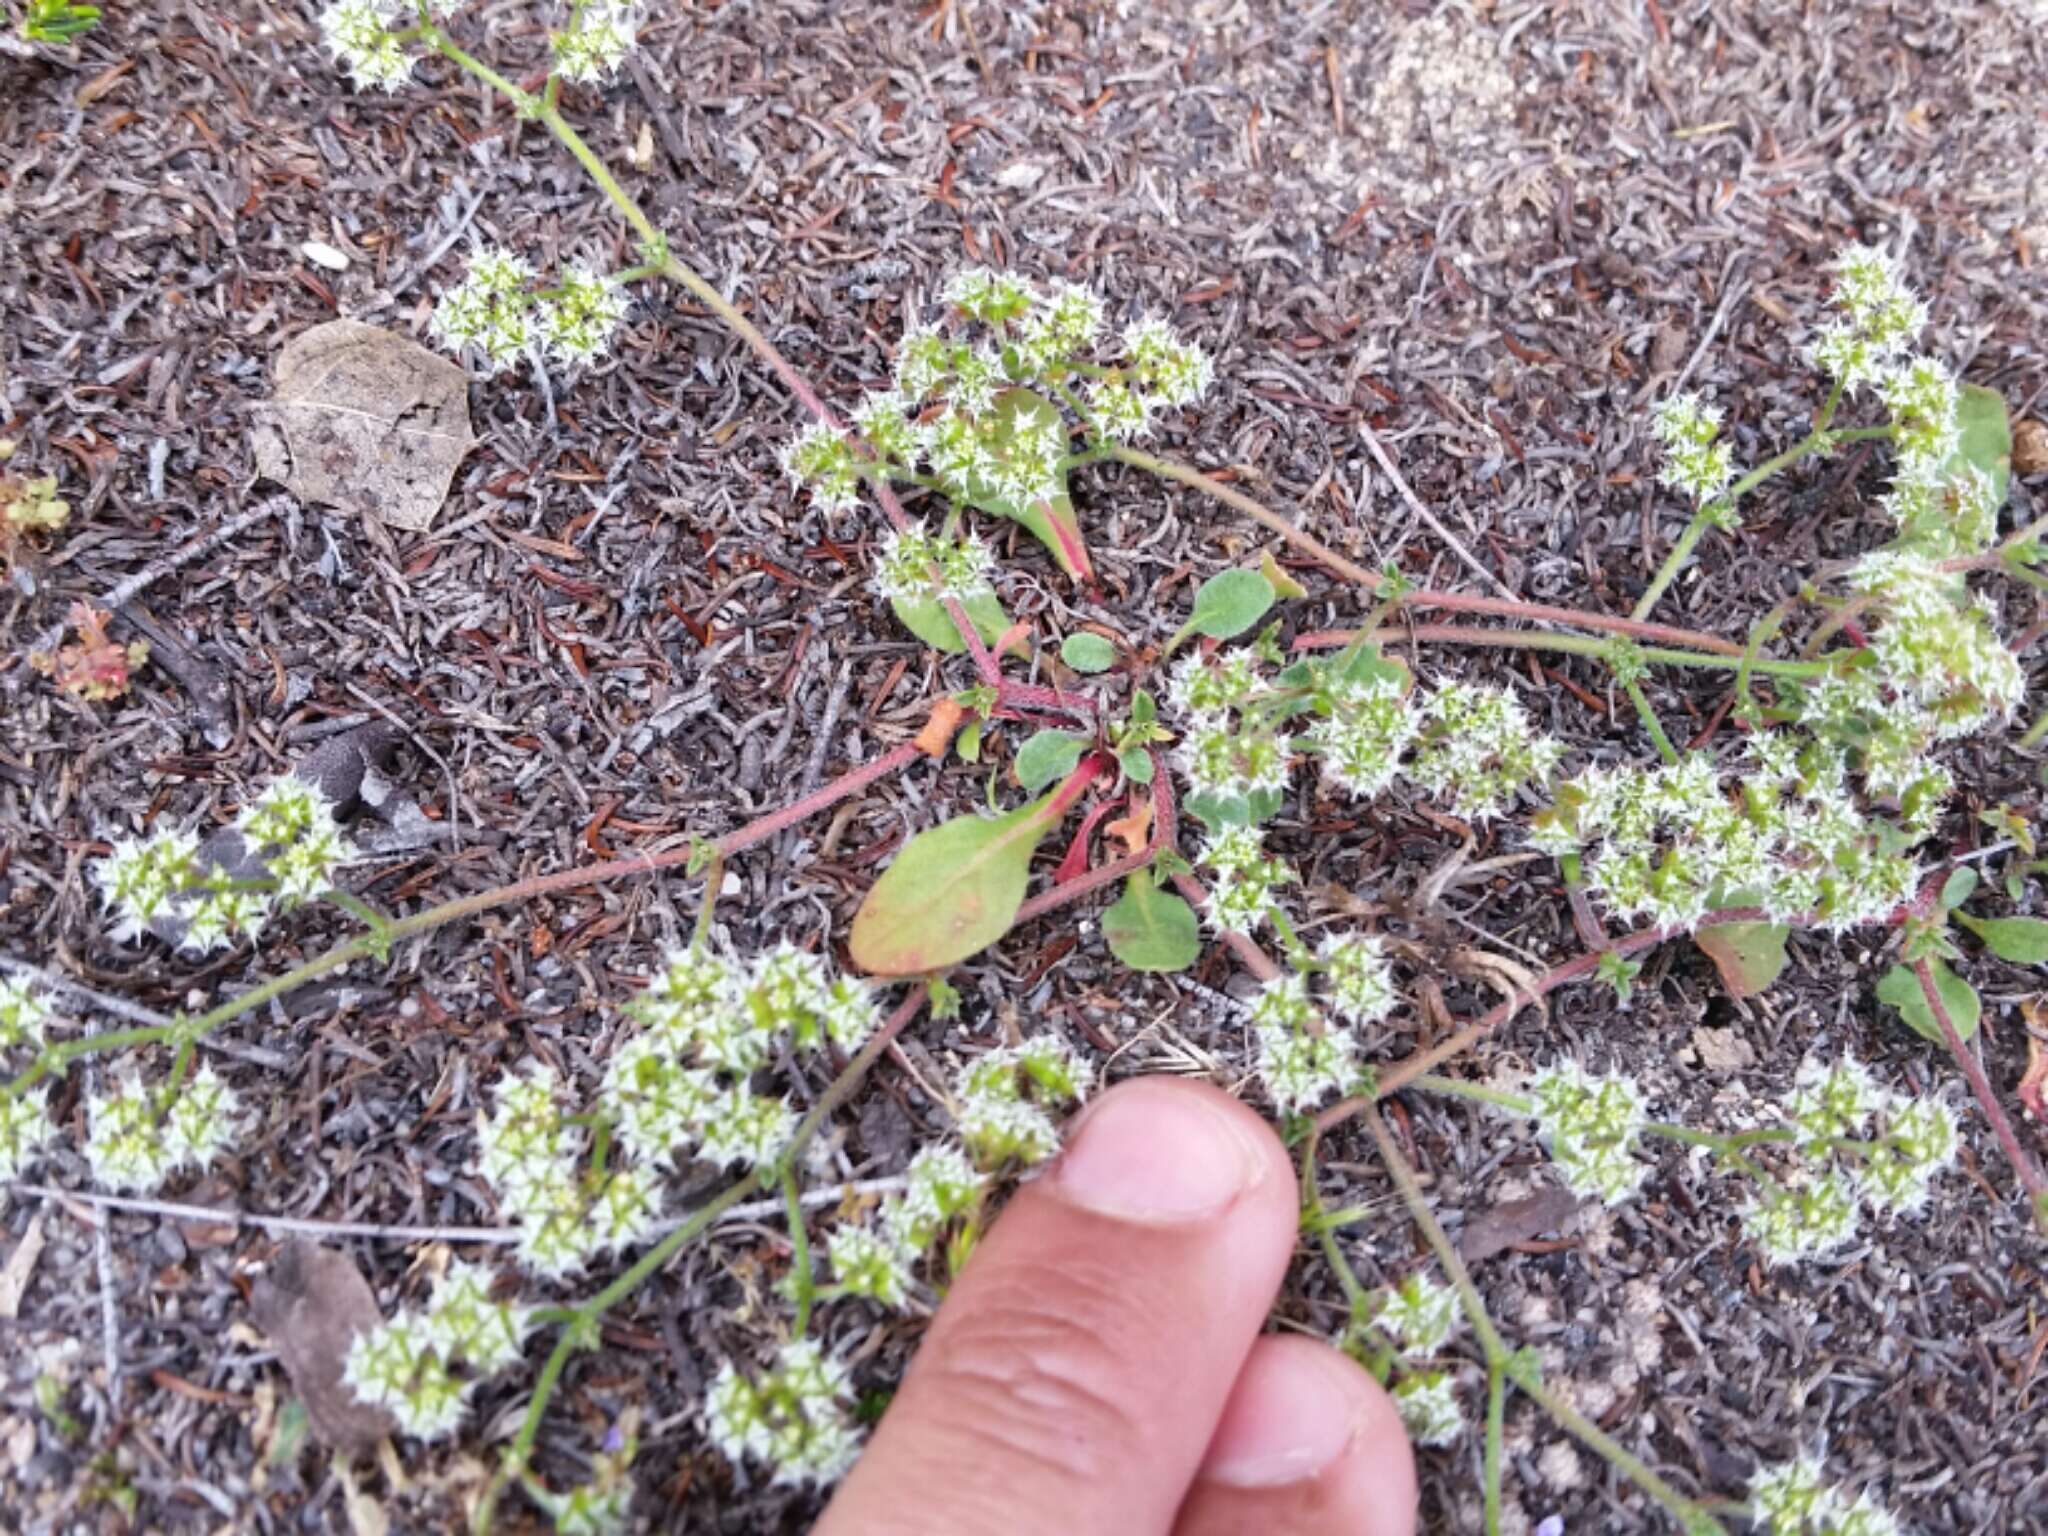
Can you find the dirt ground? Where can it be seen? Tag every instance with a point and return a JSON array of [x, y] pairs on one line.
[[1494, 232]]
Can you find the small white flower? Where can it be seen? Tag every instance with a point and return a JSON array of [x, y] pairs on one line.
[[1591, 1125], [1302, 1070], [1420, 1314], [867, 1262], [746, 1128], [1803, 1221], [597, 40], [362, 34], [140, 880], [1359, 980], [577, 324], [626, 1208], [490, 310], [124, 1141], [1830, 1101], [793, 1418], [941, 1183], [1428, 1401], [203, 1118], [1919, 1142], [25, 1128], [23, 1012], [463, 1323]]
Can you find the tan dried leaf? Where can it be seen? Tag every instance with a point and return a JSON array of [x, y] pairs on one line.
[[310, 1305], [365, 420]]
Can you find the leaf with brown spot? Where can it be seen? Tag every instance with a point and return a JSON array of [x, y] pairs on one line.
[[363, 419], [310, 1305], [1749, 956]]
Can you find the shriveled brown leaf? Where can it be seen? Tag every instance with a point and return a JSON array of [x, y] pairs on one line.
[[363, 419], [310, 1305], [1516, 1221], [2029, 447], [20, 1268]]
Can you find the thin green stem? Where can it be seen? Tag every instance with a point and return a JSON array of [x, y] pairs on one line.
[[2034, 733], [1710, 512], [1570, 645], [803, 1284], [1356, 1297], [1496, 1423], [1634, 689]]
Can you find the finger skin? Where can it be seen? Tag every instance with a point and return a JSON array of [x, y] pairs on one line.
[[1072, 1380], [1258, 1481]]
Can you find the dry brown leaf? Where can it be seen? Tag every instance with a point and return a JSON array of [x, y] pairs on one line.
[[1515, 1221], [365, 420], [310, 1305], [1133, 830]]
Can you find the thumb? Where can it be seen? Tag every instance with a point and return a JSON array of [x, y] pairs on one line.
[[1076, 1372]]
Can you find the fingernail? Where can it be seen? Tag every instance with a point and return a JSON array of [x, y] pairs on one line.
[[1289, 1418], [1158, 1154]]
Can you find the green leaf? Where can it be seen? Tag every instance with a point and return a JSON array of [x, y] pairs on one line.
[[968, 742], [1217, 812], [1051, 521], [1985, 438], [1144, 708], [1749, 956], [1087, 653], [950, 893], [1048, 755], [2022, 940], [1956, 889], [926, 618], [1901, 988], [1226, 605], [1150, 929], [1136, 763]]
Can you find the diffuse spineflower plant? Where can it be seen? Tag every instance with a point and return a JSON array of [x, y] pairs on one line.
[[379, 40], [422, 1365], [497, 316]]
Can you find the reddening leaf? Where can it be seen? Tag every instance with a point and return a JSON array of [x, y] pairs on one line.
[[2022, 940], [1085, 652], [1048, 755], [950, 893], [1150, 929], [1901, 988], [926, 618], [1749, 956]]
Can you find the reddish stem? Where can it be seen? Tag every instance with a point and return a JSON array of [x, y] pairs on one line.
[[1164, 829], [2030, 1176]]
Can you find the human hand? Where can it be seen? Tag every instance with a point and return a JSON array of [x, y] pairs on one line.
[[1098, 1369]]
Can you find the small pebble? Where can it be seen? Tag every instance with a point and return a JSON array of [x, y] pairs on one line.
[[323, 255]]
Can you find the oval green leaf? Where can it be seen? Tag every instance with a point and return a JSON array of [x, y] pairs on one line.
[[1087, 653], [2022, 940], [950, 893], [1901, 988], [1984, 437], [1150, 929], [1048, 755], [1228, 604]]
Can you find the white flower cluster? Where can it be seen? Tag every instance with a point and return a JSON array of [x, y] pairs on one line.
[[1831, 1105], [1791, 1500], [290, 829], [1942, 669], [1879, 319], [496, 315], [1477, 748], [597, 39], [409, 1365], [1420, 1315], [1002, 1097], [1591, 1125], [1301, 1061], [1428, 1402], [23, 1013], [1241, 897], [1672, 843], [992, 439], [367, 36], [138, 1135], [1370, 723], [876, 1260], [679, 1085], [1694, 462], [793, 1418], [915, 564]]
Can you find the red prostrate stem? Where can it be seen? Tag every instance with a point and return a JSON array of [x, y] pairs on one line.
[[2022, 1161]]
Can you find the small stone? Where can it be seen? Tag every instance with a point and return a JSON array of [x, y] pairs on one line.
[[1722, 1050], [2029, 447]]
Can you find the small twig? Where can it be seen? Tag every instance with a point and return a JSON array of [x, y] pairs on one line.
[[110, 1316], [1436, 524], [305, 1226]]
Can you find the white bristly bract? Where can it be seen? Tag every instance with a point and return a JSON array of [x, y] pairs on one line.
[[1792, 1500], [791, 1417]]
